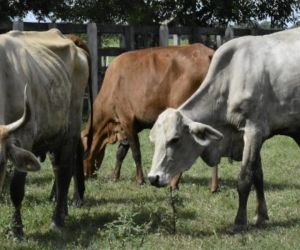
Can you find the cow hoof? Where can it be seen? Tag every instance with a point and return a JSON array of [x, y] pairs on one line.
[[115, 179], [140, 182], [260, 221], [214, 189], [17, 235], [20, 239], [54, 228], [90, 176], [77, 202], [236, 229], [52, 198]]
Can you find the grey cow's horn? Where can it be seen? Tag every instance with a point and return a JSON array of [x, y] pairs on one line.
[[10, 128]]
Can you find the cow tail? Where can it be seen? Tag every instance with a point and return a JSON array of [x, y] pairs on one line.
[[79, 185], [90, 87]]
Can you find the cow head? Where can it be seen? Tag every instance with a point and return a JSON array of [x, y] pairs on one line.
[[93, 156], [178, 142], [9, 148]]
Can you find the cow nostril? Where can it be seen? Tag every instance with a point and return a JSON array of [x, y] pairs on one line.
[[154, 180]]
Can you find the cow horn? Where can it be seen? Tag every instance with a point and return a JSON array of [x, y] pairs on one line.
[[25, 117]]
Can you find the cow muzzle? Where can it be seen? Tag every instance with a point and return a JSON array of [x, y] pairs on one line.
[[155, 180]]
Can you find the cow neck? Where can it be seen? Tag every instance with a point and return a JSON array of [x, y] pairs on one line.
[[200, 107]]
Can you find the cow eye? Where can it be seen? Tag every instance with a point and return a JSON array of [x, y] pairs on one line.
[[173, 141]]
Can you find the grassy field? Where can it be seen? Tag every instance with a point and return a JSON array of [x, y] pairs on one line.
[[124, 216]]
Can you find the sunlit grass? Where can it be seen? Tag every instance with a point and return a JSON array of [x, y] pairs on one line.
[[122, 215]]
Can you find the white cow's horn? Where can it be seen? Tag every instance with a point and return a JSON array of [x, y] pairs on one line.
[[10, 128]]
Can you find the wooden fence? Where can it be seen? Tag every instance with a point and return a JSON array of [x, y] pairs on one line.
[[134, 37]]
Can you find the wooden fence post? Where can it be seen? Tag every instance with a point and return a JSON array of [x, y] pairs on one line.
[[218, 41], [163, 35], [92, 40], [18, 25], [229, 33], [176, 40], [196, 36], [129, 38], [51, 26], [122, 41]]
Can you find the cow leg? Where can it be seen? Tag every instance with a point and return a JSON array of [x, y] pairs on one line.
[[261, 209], [174, 184], [17, 190], [78, 177], [249, 172], [52, 196], [214, 180], [65, 161], [54, 167], [63, 178], [121, 154], [2, 177], [134, 144]]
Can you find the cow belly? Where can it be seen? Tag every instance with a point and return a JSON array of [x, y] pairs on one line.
[[285, 115]]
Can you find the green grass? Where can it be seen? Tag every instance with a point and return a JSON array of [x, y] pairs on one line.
[[124, 216]]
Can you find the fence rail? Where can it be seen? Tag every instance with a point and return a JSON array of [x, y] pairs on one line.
[[134, 37]]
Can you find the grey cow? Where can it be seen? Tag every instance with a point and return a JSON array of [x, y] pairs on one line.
[[56, 72], [251, 92]]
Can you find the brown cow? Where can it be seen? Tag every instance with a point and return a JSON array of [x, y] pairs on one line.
[[137, 87]]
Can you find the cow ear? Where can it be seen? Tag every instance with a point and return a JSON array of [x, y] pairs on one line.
[[204, 134], [24, 160]]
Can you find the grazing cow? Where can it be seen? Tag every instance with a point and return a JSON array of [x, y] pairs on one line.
[[56, 72], [137, 87], [251, 92]]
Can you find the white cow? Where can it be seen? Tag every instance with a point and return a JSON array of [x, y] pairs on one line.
[[251, 92]]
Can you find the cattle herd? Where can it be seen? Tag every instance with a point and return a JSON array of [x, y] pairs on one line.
[[198, 102]]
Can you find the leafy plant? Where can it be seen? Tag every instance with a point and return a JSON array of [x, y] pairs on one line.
[[124, 232]]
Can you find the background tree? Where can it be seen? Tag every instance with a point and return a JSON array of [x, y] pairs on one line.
[[149, 12], [279, 12], [9, 9]]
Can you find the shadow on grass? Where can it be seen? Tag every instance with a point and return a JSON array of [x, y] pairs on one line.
[[228, 229], [232, 183], [269, 226], [81, 230], [92, 202]]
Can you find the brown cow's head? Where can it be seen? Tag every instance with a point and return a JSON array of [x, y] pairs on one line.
[[22, 159], [78, 42], [94, 155]]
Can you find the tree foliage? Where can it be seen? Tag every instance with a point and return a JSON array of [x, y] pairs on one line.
[[7, 9], [148, 12], [280, 12]]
